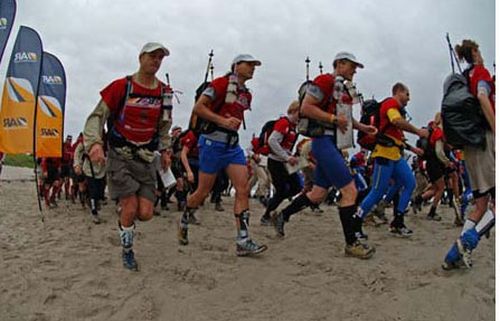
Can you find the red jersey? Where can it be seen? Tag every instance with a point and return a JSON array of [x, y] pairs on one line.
[[386, 127], [137, 119], [477, 74], [326, 84], [190, 140], [67, 155], [236, 109], [285, 127]]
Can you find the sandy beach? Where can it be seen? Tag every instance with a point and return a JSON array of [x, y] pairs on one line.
[[67, 268]]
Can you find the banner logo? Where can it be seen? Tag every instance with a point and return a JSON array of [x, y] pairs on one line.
[[49, 132], [14, 123], [52, 80], [24, 56]]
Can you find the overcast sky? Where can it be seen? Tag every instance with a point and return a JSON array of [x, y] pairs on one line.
[[99, 41]]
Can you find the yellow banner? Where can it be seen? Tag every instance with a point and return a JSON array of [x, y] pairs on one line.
[[49, 127], [16, 116]]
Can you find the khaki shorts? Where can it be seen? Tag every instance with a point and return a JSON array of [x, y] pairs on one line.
[[481, 164], [128, 177]]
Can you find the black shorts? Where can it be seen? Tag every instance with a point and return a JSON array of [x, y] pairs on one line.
[[52, 176], [435, 170], [65, 170]]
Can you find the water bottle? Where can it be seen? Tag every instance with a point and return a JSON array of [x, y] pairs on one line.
[[232, 89]]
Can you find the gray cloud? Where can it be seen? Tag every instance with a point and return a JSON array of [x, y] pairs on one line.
[[98, 41]]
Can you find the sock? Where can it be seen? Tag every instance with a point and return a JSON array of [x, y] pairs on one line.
[[298, 204], [468, 225], [127, 236], [242, 223], [346, 218], [93, 206]]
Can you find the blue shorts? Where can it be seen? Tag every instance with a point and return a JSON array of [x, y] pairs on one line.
[[215, 156], [331, 168]]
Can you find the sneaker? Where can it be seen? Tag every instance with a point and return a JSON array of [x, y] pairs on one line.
[[279, 224], [265, 220], [218, 207], [129, 261], [96, 219], [193, 219], [447, 266], [359, 250], [402, 231], [434, 217], [249, 247], [182, 235], [465, 254]]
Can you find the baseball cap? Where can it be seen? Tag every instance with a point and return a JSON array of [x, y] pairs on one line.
[[349, 56], [152, 46], [245, 58]]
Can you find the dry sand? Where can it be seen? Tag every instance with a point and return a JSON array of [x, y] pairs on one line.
[[69, 269]]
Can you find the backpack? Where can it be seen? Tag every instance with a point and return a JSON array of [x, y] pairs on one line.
[[370, 115], [463, 121], [306, 126], [265, 132], [425, 144], [176, 143]]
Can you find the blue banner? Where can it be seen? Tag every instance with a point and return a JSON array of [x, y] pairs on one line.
[[17, 111], [7, 14], [50, 108]]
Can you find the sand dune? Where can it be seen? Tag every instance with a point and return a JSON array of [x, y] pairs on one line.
[[70, 269]]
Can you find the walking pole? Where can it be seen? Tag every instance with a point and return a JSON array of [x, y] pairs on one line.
[[320, 68], [307, 68]]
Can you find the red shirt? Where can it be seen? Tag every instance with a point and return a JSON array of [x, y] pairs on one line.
[[287, 129], [138, 119], [236, 109], [477, 74], [386, 127], [437, 134], [326, 84], [191, 142], [68, 151]]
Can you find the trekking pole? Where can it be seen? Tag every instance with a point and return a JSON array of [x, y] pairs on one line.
[[209, 65], [320, 68], [211, 71], [453, 57], [307, 67]]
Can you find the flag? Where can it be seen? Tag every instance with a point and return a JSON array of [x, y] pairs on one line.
[[50, 108], [7, 14], [20, 90]]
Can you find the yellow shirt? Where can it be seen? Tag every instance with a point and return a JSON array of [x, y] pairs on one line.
[[392, 153]]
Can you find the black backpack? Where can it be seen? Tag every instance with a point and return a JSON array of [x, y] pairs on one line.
[[370, 115], [425, 144], [463, 121]]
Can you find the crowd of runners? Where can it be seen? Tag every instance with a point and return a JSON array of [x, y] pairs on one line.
[[299, 160]]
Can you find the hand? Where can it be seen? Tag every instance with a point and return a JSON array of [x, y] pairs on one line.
[[422, 132], [78, 170], [165, 160], [256, 158], [341, 122], [418, 151], [371, 130], [292, 160], [96, 154], [190, 177], [231, 123]]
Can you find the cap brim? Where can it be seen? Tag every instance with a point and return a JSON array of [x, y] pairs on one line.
[[165, 50], [256, 62]]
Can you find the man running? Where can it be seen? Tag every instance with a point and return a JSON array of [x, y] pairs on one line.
[[222, 106], [138, 125]]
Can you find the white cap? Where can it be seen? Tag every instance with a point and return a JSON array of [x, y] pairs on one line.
[[152, 46], [349, 56], [245, 58]]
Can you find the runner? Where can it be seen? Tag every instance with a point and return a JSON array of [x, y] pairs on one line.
[[480, 162], [138, 124], [323, 97], [281, 141], [390, 163], [223, 105]]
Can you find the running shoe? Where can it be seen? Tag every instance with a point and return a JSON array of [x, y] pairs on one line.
[[359, 250], [465, 254], [402, 231], [96, 219], [265, 220], [129, 261], [219, 207], [182, 234], [434, 217], [279, 224], [249, 247]]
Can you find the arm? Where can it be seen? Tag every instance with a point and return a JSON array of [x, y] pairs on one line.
[[439, 149], [310, 109], [397, 120], [185, 163], [202, 109], [486, 107], [93, 130], [370, 130], [274, 143]]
